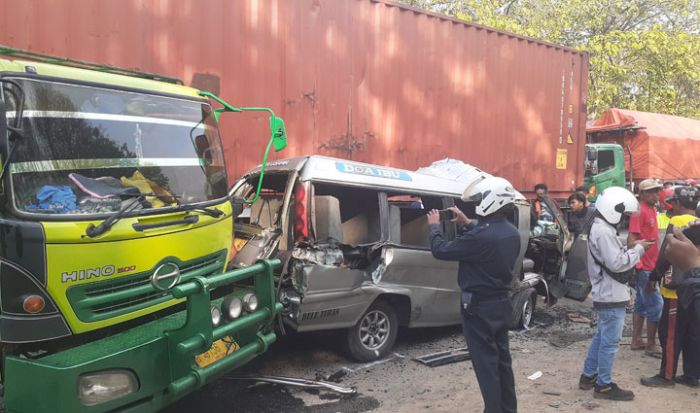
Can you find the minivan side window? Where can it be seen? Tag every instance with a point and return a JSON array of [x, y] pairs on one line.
[[345, 214], [408, 224]]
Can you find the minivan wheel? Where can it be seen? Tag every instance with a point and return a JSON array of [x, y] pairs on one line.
[[528, 310], [374, 334], [523, 308]]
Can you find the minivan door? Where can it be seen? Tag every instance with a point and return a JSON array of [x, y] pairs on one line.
[[575, 269], [410, 263]]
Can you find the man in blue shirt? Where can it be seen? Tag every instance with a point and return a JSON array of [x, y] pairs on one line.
[[487, 253]]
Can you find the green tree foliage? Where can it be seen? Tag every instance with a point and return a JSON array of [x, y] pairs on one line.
[[644, 54]]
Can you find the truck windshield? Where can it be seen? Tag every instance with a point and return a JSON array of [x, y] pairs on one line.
[[86, 150]]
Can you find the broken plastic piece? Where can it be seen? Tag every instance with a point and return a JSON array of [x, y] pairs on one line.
[[444, 357], [536, 375]]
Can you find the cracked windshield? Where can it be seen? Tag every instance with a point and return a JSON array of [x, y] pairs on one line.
[[91, 150]]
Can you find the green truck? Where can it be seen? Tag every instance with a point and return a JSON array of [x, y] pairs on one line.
[[626, 146], [116, 230], [604, 166]]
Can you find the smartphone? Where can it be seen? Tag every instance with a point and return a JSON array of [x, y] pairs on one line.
[[446, 215]]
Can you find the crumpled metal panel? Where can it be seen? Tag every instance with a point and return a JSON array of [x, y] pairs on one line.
[[362, 79], [458, 171]]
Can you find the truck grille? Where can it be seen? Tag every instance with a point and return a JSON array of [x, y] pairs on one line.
[[107, 299]]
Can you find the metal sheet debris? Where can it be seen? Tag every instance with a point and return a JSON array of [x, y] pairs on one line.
[[444, 357], [291, 381]]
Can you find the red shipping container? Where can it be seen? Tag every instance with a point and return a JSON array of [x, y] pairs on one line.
[[367, 80]]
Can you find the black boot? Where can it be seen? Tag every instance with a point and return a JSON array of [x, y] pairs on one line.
[[657, 381], [612, 392], [687, 381], [587, 383]]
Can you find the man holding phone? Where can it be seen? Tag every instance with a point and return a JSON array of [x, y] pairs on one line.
[[609, 264], [486, 253], [683, 201]]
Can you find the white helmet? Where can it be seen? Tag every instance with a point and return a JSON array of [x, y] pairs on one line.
[[490, 194], [615, 201]]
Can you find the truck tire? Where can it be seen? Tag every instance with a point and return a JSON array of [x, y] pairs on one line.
[[373, 337], [523, 308]]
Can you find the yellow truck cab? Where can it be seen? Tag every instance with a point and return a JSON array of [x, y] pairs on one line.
[[115, 232]]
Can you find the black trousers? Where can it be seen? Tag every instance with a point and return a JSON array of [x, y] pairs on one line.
[[689, 332], [486, 331]]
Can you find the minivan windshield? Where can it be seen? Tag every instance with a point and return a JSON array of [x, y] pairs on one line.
[[87, 150]]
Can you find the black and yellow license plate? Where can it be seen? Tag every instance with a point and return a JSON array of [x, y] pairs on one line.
[[218, 350]]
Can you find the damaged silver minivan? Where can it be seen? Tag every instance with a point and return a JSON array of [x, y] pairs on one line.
[[354, 241]]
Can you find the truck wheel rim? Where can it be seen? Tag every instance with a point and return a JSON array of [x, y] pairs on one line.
[[527, 312], [374, 330]]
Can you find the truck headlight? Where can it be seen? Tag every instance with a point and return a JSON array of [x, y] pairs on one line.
[[100, 387], [250, 302], [215, 316], [232, 307]]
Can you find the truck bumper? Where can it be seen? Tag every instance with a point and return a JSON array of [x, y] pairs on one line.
[[160, 354]]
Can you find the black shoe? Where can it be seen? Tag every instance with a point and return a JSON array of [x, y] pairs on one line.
[[612, 392], [687, 381], [657, 381], [587, 383]]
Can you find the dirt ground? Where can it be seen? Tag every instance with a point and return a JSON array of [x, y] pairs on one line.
[[555, 346]]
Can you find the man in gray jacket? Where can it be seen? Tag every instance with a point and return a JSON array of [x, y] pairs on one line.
[[609, 260]]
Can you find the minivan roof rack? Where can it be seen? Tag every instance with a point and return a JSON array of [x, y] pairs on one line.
[[82, 64]]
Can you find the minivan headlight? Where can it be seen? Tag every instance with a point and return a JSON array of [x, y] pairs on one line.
[[100, 387]]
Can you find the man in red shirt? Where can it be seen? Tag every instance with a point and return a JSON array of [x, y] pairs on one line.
[[648, 302]]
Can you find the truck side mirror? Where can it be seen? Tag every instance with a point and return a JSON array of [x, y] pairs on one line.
[[592, 155], [14, 91], [278, 134], [201, 145]]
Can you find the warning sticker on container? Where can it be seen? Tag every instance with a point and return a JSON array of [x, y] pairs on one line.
[[561, 158]]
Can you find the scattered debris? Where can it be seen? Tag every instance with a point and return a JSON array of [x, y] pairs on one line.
[[536, 375], [590, 405], [551, 393], [444, 357], [578, 318], [334, 377], [290, 381], [338, 375], [554, 404]]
